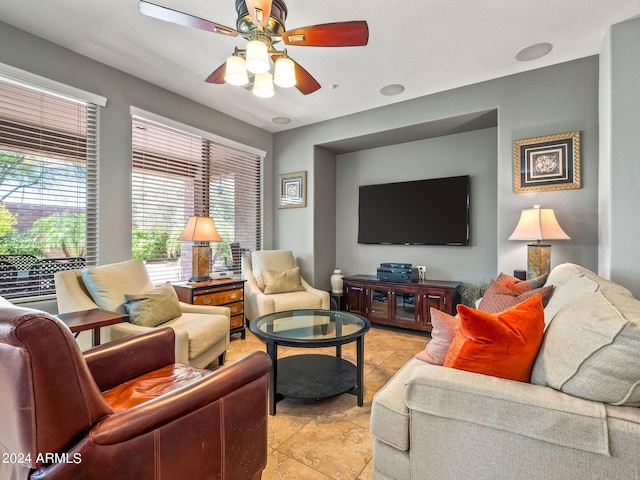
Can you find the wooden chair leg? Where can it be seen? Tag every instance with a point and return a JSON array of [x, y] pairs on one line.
[[221, 359]]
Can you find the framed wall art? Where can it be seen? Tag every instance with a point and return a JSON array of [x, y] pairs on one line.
[[292, 190], [543, 164]]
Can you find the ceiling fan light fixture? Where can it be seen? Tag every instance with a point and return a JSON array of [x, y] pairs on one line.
[[285, 73], [263, 85], [257, 57], [236, 71]]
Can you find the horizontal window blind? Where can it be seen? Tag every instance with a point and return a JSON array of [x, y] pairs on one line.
[[177, 174], [48, 187]]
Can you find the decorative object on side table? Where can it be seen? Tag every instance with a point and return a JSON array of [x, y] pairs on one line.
[[336, 281], [200, 230], [292, 190], [547, 163], [538, 224]]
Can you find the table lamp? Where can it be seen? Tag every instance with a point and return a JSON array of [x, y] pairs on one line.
[[538, 224], [200, 230]]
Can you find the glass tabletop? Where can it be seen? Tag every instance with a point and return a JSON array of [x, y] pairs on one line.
[[310, 327]]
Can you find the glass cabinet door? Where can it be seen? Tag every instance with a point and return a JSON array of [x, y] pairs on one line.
[[379, 304], [405, 306]]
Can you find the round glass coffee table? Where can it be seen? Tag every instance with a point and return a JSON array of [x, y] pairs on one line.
[[312, 376]]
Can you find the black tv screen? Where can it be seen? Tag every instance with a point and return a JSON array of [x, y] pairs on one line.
[[421, 212]]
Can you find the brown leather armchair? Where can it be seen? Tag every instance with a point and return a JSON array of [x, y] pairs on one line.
[[124, 409]]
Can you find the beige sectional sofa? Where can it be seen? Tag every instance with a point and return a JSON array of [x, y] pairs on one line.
[[577, 419]]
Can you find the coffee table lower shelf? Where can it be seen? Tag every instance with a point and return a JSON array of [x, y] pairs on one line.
[[315, 376]]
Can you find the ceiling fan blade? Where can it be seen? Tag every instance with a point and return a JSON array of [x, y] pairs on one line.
[[260, 11], [174, 16], [305, 83], [340, 34], [218, 75]]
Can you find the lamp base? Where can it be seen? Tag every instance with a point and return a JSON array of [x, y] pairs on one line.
[[200, 263], [538, 259]]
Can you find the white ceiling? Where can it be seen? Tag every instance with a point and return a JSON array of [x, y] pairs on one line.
[[426, 45]]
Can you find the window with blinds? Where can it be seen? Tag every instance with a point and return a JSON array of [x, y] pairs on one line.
[[48, 187], [177, 174]]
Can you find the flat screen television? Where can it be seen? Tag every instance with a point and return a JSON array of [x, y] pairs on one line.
[[421, 212]]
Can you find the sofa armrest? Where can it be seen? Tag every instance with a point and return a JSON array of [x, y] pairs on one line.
[[210, 309], [148, 416], [121, 360], [529, 410], [321, 293]]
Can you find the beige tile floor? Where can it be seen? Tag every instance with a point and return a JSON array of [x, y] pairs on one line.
[[329, 438]]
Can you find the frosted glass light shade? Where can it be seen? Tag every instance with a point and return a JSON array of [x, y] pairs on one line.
[[285, 73], [257, 57], [263, 85], [236, 71]]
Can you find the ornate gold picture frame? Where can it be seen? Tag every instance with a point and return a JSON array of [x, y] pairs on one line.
[[292, 190], [543, 164]]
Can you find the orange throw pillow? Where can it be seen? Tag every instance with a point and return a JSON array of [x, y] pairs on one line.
[[497, 297], [503, 345]]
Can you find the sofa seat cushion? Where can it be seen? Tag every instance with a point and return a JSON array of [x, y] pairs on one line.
[[295, 300], [389, 412], [151, 385], [203, 330], [590, 350]]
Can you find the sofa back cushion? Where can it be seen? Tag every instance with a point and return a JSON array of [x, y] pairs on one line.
[[108, 284], [590, 350], [272, 260], [503, 345]]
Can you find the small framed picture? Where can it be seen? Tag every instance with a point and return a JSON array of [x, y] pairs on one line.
[[543, 164], [292, 190]]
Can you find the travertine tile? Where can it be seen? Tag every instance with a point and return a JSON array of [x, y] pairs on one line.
[[329, 439]]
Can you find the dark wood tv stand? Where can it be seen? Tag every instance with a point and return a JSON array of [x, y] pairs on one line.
[[399, 304]]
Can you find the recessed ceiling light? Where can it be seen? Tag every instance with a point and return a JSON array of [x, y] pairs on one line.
[[281, 120], [393, 89], [533, 52]]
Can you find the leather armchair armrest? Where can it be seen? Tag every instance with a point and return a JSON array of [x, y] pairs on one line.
[[143, 418], [121, 360]]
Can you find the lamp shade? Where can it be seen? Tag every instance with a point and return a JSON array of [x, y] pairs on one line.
[[285, 73], [257, 57], [236, 71], [200, 229], [538, 224]]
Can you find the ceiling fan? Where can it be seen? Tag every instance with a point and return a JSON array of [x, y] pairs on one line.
[[261, 22]]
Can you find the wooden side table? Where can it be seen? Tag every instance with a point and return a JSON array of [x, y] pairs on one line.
[[224, 292], [93, 319]]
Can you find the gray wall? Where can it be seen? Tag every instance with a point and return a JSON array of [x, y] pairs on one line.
[[35, 55], [561, 98], [619, 158], [471, 153]]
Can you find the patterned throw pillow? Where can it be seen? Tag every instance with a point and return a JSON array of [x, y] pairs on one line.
[[153, 308], [444, 326], [498, 297], [504, 345]]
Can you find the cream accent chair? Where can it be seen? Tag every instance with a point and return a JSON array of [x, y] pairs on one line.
[[257, 303], [201, 332]]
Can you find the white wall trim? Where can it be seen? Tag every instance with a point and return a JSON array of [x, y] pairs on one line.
[[17, 75]]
